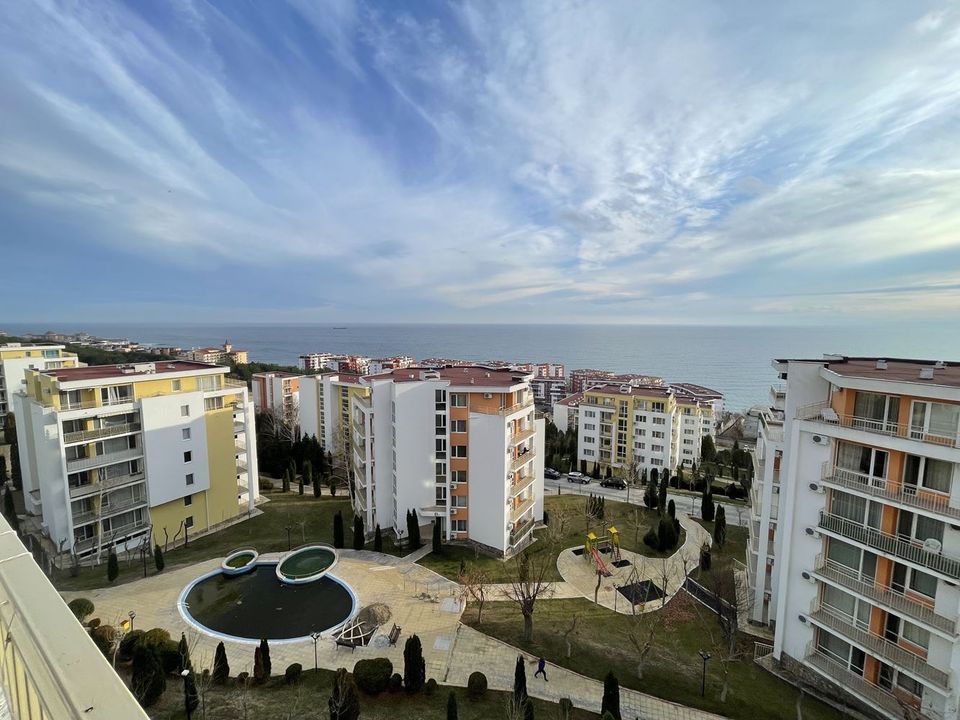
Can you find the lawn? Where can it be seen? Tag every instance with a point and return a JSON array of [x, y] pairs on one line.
[[570, 524], [719, 577], [601, 642], [307, 700], [310, 519]]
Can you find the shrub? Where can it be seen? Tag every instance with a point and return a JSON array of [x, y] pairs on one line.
[[113, 566], [158, 561], [344, 702], [414, 666], [452, 713], [129, 643], [292, 673], [705, 559], [430, 687], [103, 637], [243, 679], [169, 654], [610, 703], [373, 675], [565, 708], [93, 623], [155, 638], [266, 484], [359, 538], [221, 668], [82, 608], [396, 682], [476, 685], [147, 680], [650, 539], [666, 534]]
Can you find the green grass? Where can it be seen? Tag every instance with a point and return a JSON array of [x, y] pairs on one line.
[[266, 532], [631, 520], [601, 642], [307, 700], [719, 577]]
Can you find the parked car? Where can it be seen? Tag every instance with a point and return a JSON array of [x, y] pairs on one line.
[[551, 473], [613, 482], [577, 477]]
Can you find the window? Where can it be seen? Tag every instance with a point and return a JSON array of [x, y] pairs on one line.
[[937, 419], [187, 500], [458, 476], [927, 473], [659, 421], [459, 451], [441, 448], [459, 426], [914, 634], [589, 413], [458, 400], [657, 434], [876, 412], [459, 525], [185, 434], [641, 418], [440, 398], [184, 411], [589, 426], [589, 439], [657, 448], [862, 459], [657, 407], [188, 456], [656, 461], [588, 453], [441, 494], [640, 433], [459, 500], [176, 385], [188, 522], [189, 478], [639, 446]]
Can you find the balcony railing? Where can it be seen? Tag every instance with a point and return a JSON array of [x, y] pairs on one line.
[[126, 530], [114, 482], [860, 686], [520, 436], [519, 509], [519, 462], [116, 508], [842, 623], [516, 407], [882, 488], [520, 531], [906, 549], [82, 518], [100, 433], [105, 459], [822, 412], [885, 596], [232, 383], [519, 484], [95, 403]]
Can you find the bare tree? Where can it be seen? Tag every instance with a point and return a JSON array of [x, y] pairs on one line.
[[631, 475], [572, 630], [474, 584], [528, 584], [561, 516]]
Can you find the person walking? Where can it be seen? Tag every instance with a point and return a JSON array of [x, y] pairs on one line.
[[542, 669]]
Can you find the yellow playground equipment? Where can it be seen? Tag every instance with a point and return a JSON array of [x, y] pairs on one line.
[[594, 545]]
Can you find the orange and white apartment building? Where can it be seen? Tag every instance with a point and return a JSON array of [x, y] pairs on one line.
[[868, 543], [277, 392], [458, 444]]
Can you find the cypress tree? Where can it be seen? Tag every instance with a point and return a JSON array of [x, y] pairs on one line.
[[265, 654], [221, 668], [611, 696], [258, 675], [113, 566], [414, 667], [338, 530], [183, 650], [315, 483], [358, 535], [191, 699], [520, 682], [377, 540], [413, 529], [707, 509], [147, 680], [437, 539], [655, 477], [720, 526], [662, 492], [666, 534], [452, 707], [158, 561], [344, 702], [300, 486], [307, 471], [672, 510], [286, 480]]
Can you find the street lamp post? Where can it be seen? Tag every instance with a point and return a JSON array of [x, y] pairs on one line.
[[185, 674], [131, 615], [703, 678], [315, 636]]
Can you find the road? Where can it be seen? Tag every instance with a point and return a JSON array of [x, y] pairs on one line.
[[736, 514]]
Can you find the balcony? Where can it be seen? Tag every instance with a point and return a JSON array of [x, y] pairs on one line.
[[120, 480], [127, 530], [911, 550], [100, 433], [860, 686], [238, 428], [884, 596], [838, 621], [233, 383], [519, 484], [95, 403], [82, 518], [521, 530], [521, 435], [520, 508], [105, 459], [899, 493], [522, 460], [122, 506], [516, 407], [822, 412]]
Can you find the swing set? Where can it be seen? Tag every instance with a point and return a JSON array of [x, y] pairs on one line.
[[595, 545]]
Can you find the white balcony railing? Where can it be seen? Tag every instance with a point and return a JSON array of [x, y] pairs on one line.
[[882, 488], [95, 403], [516, 407], [838, 621], [100, 433], [520, 508], [521, 435], [519, 462], [105, 459], [822, 412], [519, 484], [907, 549], [891, 598]]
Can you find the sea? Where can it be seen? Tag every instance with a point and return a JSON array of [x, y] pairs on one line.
[[732, 359]]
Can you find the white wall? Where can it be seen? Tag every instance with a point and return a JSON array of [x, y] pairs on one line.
[[382, 455], [416, 449], [487, 480], [309, 421], [539, 462], [43, 465], [164, 446]]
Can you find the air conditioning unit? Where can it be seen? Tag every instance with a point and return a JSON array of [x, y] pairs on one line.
[[932, 545], [509, 476], [802, 618], [817, 488], [808, 577], [812, 532], [821, 440]]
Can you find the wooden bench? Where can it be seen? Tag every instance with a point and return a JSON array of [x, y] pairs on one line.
[[394, 634], [341, 642]]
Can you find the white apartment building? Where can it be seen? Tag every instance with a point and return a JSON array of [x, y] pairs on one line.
[[868, 556], [654, 426], [277, 392], [457, 444], [566, 412], [548, 391], [17, 358], [112, 454]]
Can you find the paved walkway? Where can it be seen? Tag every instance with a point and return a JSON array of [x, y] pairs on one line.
[[666, 573]]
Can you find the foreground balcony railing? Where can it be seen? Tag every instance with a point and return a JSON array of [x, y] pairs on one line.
[[521, 530], [822, 412], [838, 621], [100, 433], [520, 508], [861, 687], [910, 550], [522, 460], [95, 403], [882, 488], [110, 458], [115, 508], [520, 484], [887, 597], [78, 491], [520, 436], [516, 407]]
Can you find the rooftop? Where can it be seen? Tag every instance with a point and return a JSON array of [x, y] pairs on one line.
[[635, 390], [698, 391], [571, 400], [459, 375], [924, 372], [277, 373], [132, 370]]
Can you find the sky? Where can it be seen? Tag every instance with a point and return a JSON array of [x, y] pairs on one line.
[[613, 162]]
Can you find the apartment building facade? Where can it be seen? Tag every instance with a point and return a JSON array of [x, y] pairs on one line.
[[17, 358], [548, 390], [653, 426], [868, 556], [459, 444], [118, 455], [277, 392], [566, 412], [215, 355]]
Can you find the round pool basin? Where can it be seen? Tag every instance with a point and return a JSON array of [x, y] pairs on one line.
[[254, 605], [306, 564], [239, 562]]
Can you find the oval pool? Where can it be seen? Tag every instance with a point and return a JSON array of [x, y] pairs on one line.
[[256, 605], [306, 564]]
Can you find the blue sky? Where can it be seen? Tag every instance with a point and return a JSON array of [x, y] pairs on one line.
[[735, 162]]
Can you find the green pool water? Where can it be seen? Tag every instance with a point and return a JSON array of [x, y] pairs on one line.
[[307, 562], [240, 560]]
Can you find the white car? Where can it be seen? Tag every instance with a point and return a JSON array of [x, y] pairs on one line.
[[577, 477]]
